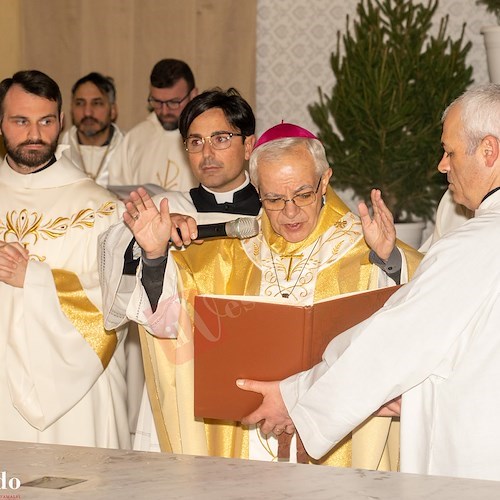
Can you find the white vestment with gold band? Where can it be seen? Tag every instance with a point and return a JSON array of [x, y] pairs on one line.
[[62, 376]]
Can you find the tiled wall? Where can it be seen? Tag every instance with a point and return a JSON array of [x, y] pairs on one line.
[[295, 39]]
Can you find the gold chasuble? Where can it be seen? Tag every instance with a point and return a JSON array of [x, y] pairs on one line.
[[332, 260]]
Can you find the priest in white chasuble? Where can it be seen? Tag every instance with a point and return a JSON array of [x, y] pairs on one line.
[[309, 247], [62, 374], [152, 151]]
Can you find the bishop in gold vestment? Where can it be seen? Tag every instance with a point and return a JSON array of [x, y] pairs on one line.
[[323, 254]]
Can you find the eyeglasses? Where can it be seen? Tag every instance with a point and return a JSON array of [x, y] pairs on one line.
[[299, 200], [170, 103], [218, 140]]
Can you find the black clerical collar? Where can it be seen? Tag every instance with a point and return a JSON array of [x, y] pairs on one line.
[[245, 201], [51, 162], [490, 193]]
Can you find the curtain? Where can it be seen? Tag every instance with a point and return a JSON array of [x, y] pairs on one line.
[[125, 38]]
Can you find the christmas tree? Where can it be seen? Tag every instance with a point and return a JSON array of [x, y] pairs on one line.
[[381, 123]]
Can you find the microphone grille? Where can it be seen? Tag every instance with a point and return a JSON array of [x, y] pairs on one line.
[[242, 228]]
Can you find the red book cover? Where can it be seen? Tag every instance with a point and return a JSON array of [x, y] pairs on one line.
[[251, 337]]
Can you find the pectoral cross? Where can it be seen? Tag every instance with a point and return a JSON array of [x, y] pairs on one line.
[[291, 257], [291, 268]]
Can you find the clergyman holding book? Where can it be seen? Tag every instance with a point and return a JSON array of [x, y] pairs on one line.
[[309, 246]]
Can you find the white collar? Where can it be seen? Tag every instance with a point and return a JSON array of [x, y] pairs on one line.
[[227, 196]]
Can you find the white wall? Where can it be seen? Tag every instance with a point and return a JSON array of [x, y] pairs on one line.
[[295, 39]]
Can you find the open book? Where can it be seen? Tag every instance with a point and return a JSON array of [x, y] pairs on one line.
[[253, 337]]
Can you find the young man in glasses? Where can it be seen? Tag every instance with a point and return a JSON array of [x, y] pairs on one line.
[[152, 152], [218, 128]]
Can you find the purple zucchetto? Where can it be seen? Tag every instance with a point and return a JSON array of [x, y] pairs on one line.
[[284, 131]]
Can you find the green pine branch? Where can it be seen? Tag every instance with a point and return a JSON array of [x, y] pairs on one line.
[[492, 6], [381, 122]]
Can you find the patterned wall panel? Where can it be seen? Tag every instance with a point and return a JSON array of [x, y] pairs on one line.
[[295, 39]]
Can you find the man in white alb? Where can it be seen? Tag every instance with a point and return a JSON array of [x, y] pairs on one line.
[[94, 136], [152, 152], [441, 347], [62, 375]]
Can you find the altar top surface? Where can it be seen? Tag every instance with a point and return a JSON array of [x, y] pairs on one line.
[[114, 474]]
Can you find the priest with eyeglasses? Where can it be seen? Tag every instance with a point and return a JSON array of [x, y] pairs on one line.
[[309, 247]]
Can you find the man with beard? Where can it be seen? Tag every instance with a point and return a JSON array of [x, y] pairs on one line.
[[152, 152], [93, 140], [94, 136], [61, 373]]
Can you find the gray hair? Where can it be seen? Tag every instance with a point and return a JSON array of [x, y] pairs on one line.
[[273, 151], [480, 114]]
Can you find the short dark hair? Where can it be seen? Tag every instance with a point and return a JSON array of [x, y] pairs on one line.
[[34, 82], [167, 72], [237, 111], [105, 84]]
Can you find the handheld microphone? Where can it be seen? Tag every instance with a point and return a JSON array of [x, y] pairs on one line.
[[242, 228]]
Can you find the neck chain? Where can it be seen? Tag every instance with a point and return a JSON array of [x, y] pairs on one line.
[[285, 293], [101, 164]]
